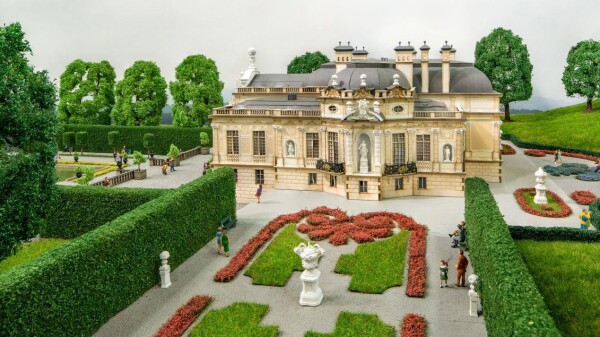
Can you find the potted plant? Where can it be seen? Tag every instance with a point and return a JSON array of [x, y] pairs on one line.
[[88, 175], [138, 159], [149, 142], [79, 171], [174, 154], [76, 156], [113, 140], [124, 155], [204, 142]]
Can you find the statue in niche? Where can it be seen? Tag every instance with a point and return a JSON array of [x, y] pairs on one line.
[[364, 161], [291, 150], [447, 153]]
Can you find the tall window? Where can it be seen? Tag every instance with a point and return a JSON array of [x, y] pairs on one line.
[[259, 177], [422, 183], [259, 143], [233, 142], [398, 146], [333, 181], [423, 147], [399, 184], [333, 147], [312, 178], [312, 145]]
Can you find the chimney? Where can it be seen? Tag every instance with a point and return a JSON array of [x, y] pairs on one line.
[[424, 68], [360, 54], [343, 56], [404, 60], [446, 56]]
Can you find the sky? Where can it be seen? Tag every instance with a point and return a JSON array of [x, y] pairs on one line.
[[123, 31]]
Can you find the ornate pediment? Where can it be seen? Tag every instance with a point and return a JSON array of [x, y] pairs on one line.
[[332, 92], [362, 92], [363, 113], [397, 92]]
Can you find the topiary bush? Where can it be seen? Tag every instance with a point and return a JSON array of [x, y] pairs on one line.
[[511, 301], [595, 219], [81, 139], [531, 145], [114, 140], [75, 288], [68, 139], [133, 137]]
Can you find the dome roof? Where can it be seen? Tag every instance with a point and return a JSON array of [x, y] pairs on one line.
[[321, 76], [464, 79], [380, 75]]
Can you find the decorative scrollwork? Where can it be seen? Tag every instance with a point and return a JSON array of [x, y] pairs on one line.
[[408, 168], [330, 167]]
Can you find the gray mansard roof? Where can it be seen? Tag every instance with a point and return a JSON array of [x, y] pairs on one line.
[[464, 77]]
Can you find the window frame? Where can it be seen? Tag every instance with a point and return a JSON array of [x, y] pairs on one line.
[[259, 177], [333, 147], [233, 142], [398, 148], [422, 183], [423, 147], [332, 181], [399, 184], [312, 145], [363, 186], [259, 143]]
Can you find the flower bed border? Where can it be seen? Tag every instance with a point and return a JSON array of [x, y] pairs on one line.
[[509, 150], [565, 212], [535, 153], [583, 197], [417, 275], [184, 317], [413, 325]]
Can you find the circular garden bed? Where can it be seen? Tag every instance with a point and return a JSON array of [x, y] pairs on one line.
[[555, 208]]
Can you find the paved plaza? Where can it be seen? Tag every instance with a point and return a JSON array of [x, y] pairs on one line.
[[446, 310]]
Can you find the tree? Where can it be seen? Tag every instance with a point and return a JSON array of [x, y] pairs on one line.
[[306, 63], [86, 93], [582, 73], [28, 130], [141, 95], [196, 91], [504, 59]]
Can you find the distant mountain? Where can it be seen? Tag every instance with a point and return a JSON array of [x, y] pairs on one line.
[[537, 103]]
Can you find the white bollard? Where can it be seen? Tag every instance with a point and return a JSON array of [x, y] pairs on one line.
[[473, 296], [164, 270]]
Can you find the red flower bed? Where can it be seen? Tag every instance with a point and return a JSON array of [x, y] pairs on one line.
[[508, 150], [184, 317], [583, 197], [338, 227], [413, 325], [564, 212], [535, 153], [573, 155]]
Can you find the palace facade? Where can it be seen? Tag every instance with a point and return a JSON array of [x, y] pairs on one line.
[[362, 128]]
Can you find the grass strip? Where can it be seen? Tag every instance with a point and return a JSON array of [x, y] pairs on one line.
[[238, 319], [29, 251], [277, 263], [568, 277], [351, 324], [375, 266]]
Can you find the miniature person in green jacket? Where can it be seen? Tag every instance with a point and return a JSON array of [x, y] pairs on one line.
[[225, 242], [443, 273]]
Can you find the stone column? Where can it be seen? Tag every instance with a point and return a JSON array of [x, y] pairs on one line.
[[348, 147], [435, 167], [411, 154], [467, 141], [496, 141], [323, 144], [277, 145], [387, 145], [300, 153], [459, 149], [216, 144], [377, 137]]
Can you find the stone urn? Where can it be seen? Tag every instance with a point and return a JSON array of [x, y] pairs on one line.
[[311, 294], [540, 187]]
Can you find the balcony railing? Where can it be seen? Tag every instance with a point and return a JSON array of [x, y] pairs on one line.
[[408, 168], [286, 90], [330, 167], [267, 112], [438, 114], [424, 166], [234, 158], [259, 159]]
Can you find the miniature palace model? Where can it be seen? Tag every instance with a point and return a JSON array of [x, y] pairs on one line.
[[362, 128]]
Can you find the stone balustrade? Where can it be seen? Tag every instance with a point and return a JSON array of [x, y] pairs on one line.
[[117, 179]]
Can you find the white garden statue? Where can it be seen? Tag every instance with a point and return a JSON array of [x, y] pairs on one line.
[[363, 161], [540, 188], [311, 294], [473, 296]]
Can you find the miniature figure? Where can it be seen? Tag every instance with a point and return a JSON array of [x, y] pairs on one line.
[[258, 193], [225, 242], [443, 273], [219, 243], [584, 217], [461, 268]]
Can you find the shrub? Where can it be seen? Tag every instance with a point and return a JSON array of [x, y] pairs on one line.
[[173, 151], [595, 209], [68, 139], [512, 303], [583, 197], [114, 140], [534, 153], [551, 148], [78, 210], [138, 159], [88, 175], [553, 234], [81, 139], [184, 317], [564, 211], [413, 325], [204, 140], [75, 288], [149, 142], [508, 150], [133, 136]]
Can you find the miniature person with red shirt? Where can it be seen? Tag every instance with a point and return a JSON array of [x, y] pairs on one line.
[[461, 268]]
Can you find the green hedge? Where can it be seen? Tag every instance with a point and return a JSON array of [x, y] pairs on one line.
[[531, 145], [512, 304], [553, 234], [595, 209], [133, 137], [75, 288], [80, 209]]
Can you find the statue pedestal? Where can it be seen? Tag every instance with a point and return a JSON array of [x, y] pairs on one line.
[[311, 294], [364, 166], [540, 194]]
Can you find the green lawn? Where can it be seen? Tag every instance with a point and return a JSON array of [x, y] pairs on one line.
[[568, 277], [375, 266], [538, 207], [238, 319], [357, 325], [275, 265], [567, 127], [28, 252]]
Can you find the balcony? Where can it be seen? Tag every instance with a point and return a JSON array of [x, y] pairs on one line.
[[286, 90], [324, 166], [438, 114], [408, 168], [266, 113]]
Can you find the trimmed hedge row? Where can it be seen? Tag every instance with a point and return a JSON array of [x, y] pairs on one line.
[[133, 137], [512, 304], [553, 234], [80, 209], [595, 209], [75, 288], [531, 145]]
